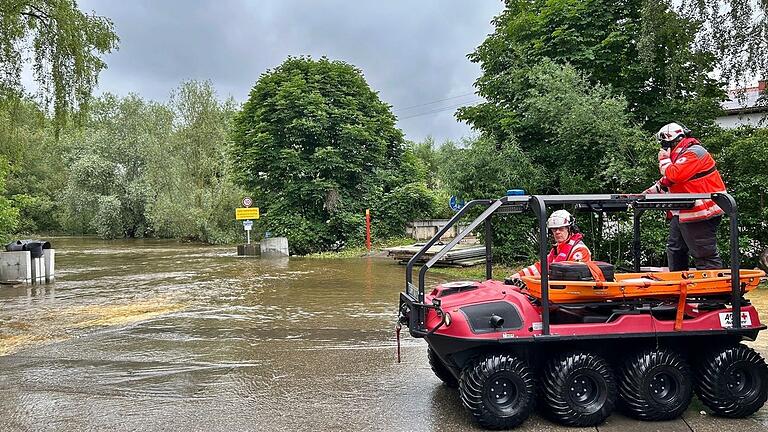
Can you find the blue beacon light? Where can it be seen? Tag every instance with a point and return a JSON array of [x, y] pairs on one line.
[[515, 192]]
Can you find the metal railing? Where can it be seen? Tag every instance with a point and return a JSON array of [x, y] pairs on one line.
[[538, 204]]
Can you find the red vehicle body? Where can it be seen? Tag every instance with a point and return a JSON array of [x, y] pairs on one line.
[[506, 348]]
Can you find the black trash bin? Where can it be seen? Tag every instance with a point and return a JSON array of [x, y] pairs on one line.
[[35, 247], [14, 246]]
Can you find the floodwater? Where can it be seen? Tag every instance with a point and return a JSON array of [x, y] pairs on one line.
[[159, 335]]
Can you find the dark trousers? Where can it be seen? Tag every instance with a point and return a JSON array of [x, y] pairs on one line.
[[696, 238]]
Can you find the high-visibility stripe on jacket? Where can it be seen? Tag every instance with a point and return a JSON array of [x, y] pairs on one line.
[[572, 250], [691, 169]]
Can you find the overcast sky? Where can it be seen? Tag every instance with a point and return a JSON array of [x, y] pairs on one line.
[[412, 52]]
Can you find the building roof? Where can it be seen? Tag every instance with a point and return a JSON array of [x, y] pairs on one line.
[[747, 102]]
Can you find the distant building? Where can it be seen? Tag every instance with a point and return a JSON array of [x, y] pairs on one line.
[[745, 110]]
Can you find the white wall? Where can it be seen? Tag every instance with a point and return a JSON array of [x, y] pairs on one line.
[[735, 120]]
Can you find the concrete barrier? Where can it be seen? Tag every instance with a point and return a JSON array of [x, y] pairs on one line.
[[426, 229], [274, 246], [250, 249], [18, 267], [15, 267]]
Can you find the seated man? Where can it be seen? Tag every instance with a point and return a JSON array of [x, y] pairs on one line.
[[568, 244]]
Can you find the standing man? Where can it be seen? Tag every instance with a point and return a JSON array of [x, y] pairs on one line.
[[687, 167]]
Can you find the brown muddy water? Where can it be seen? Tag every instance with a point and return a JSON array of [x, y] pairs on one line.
[[158, 335]]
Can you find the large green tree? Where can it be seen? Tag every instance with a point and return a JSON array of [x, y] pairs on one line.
[[64, 46], [191, 174], [34, 165], [742, 155], [642, 49], [735, 32], [9, 215], [571, 137], [107, 190], [318, 147]]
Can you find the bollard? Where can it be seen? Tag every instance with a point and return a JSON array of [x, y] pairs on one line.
[[38, 270], [48, 257]]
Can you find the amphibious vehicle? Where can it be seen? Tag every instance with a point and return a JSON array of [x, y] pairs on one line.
[[598, 338]]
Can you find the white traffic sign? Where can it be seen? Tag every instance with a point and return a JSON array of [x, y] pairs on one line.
[[248, 225], [247, 202]]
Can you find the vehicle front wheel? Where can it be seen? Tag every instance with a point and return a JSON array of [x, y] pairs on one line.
[[655, 385], [733, 382], [498, 390], [579, 389], [440, 370]]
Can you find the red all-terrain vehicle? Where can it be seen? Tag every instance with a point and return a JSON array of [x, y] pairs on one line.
[[594, 338]]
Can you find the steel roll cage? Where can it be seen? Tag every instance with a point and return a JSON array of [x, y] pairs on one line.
[[538, 204]]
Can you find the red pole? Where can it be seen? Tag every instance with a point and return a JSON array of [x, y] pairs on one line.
[[368, 229]]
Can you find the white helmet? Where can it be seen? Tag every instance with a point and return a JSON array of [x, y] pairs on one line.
[[560, 218], [670, 133]]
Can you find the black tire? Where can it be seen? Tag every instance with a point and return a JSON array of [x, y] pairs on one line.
[[440, 370], [655, 385], [733, 382], [579, 389], [498, 390]]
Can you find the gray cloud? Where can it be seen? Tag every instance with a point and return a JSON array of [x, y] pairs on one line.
[[412, 53]]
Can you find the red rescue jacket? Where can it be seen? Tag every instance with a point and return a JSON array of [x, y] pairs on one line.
[[691, 169], [571, 250]]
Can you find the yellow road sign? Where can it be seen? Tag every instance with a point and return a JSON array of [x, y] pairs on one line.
[[246, 213]]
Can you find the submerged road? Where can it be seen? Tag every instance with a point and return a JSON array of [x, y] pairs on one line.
[[157, 336]]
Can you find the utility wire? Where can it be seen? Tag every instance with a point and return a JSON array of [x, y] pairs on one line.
[[433, 102], [451, 107]]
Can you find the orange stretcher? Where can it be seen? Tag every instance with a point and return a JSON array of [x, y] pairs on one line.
[[696, 283]]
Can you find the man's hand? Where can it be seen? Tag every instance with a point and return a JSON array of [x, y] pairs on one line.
[[516, 281], [657, 188], [664, 161]]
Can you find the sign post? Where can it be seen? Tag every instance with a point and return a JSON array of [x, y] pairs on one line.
[[247, 214], [248, 225], [368, 229]]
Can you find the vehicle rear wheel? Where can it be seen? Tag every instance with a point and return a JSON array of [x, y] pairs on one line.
[[579, 389], [655, 385], [498, 390], [733, 382], [440, 370]]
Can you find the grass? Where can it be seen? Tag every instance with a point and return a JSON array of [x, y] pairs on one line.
[[358, 251], [476, 272]]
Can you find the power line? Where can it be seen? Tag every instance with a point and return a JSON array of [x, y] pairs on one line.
[[433, 102], [470, 103]]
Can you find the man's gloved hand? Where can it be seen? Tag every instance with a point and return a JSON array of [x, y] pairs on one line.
[[516, 281], [657, 188], [664, 161]]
